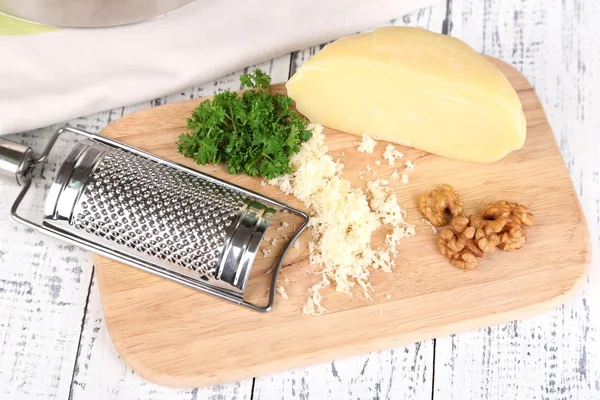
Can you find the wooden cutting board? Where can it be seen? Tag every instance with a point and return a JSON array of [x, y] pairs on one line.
[[175, 336]]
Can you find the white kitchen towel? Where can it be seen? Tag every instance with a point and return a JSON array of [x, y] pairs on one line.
[[51, 77]]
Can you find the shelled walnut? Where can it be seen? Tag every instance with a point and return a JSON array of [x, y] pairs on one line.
[[435, 204], [511, 218]]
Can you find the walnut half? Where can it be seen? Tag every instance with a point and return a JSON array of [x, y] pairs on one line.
[[508, 210], [456, 249], [435, 204], [509, 221], [512, 237]]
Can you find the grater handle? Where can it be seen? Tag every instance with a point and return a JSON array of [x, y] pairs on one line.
[[17, 160]]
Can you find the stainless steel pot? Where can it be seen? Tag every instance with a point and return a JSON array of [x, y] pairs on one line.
[[88, 13]]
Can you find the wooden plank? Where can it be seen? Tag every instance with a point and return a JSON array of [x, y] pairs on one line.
[[404, 372], [99, 372], [43, 289], [556, 355], [401, 373]]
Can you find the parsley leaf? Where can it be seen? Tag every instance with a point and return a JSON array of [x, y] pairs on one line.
[[254, 133], [257, 79]]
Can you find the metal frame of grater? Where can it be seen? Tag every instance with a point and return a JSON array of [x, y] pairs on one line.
[[86, 206]]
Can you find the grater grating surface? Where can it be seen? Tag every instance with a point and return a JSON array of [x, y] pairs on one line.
[[158, 211]]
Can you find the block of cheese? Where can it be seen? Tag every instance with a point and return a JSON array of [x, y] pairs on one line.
[[413, 87]]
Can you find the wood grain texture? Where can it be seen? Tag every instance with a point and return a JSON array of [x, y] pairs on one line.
[[99, 373], [400, 373], [555, 355], [163, 340]]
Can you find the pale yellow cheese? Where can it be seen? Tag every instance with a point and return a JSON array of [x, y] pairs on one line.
[[413, 87]]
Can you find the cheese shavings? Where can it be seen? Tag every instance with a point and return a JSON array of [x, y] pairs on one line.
[[367, 144], [391, 154], [281, 291], [404, 178], [384, 203], [433, 228], [343, 219]]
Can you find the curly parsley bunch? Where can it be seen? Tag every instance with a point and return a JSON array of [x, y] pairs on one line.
[[254, 134]]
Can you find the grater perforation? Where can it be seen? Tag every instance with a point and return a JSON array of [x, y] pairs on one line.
[[153, 214]]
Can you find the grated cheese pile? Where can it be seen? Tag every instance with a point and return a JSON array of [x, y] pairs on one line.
[[343, 220]]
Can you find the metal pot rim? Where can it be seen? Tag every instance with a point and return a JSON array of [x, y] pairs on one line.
[[53, 13]]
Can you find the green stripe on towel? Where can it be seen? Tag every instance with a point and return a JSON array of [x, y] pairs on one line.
[[13, 26]]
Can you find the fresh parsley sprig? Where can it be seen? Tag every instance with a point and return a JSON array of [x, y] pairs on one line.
[[254, 133]]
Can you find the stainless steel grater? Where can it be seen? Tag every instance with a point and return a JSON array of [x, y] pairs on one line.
[[151, 213]]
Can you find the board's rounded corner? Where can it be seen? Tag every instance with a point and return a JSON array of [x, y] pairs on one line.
[[138, 364], [505, 67], [585, 265], [152, 375], [570, 289], [576, 284], [120, 127]]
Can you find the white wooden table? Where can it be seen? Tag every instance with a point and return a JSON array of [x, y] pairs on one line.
[[54, 344]]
